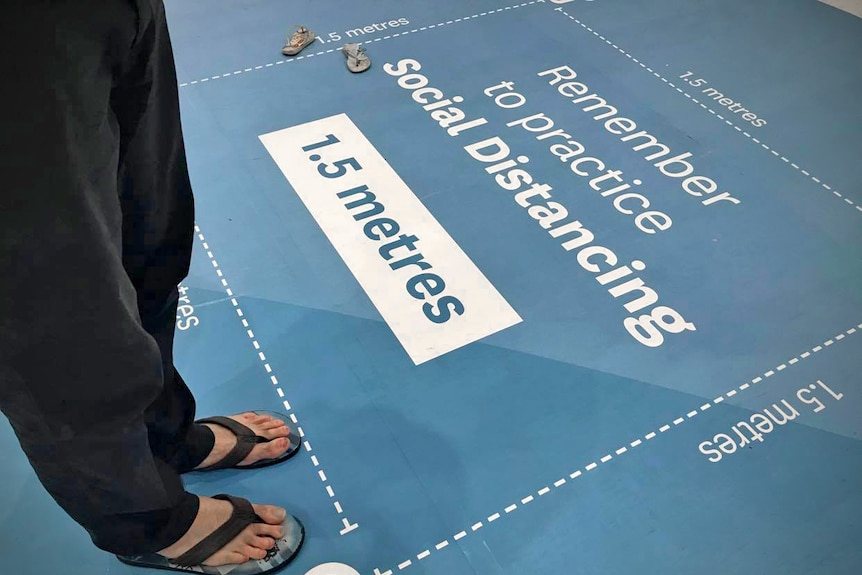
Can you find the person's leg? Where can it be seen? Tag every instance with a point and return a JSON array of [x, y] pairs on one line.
[[173, 435], [77, 369], [158, 223], [79, 373], [158, 232]]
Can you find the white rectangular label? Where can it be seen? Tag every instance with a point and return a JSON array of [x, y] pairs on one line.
[[428, 291]]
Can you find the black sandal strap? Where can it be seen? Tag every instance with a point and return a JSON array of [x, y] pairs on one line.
[[243, 515], [245, 441]]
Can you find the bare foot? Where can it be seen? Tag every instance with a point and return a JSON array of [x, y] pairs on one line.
[[252, 543], [263, 425]]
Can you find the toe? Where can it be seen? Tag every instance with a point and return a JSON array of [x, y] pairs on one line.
[[253, 552], [279, 430], [270, 513], [272, 531], [261, 542], [272, 423], [257, 420], [276, 447], [269, 450]]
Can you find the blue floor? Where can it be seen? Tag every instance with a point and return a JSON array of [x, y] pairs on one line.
[[719, 435]]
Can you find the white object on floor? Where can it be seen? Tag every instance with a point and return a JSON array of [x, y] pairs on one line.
[[333, 569]]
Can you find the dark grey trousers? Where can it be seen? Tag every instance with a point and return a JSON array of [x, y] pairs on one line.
[[96, 231]]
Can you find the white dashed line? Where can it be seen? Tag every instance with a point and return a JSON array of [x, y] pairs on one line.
[[775, 153], [330, 51], [637, 442], [348, 527]]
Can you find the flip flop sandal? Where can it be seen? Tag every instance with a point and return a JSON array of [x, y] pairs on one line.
[[357, 60], [246, 440], [298, 41], [243, 515]]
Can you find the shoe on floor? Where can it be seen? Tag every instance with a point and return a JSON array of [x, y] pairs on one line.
[[246, 439], [298, 41], [357, 60], [243, 515]]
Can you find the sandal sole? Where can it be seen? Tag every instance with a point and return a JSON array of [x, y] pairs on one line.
[[159, 562]]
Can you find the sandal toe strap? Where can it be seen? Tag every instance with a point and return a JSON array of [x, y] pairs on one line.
[[245, 441], [243, 515]]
